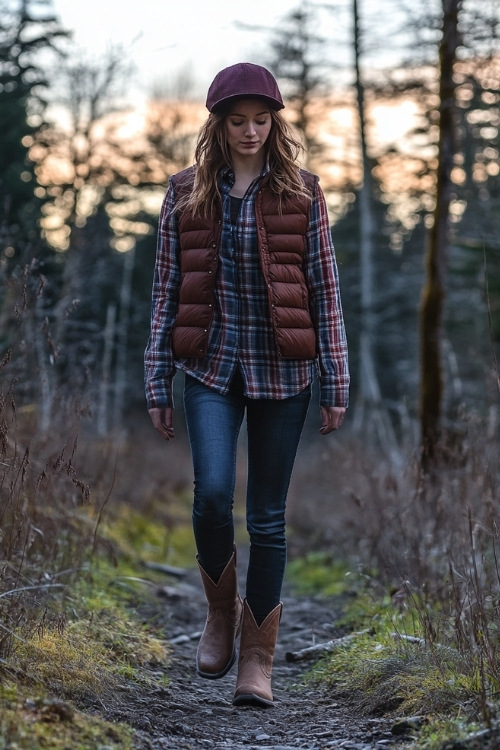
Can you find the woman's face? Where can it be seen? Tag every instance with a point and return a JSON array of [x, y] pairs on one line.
[[248, 124]]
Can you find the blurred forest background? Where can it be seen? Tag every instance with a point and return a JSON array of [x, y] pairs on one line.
[[83, 174], [408, 156]]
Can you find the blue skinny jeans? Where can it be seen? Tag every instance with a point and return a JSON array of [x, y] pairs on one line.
[[273, 430]]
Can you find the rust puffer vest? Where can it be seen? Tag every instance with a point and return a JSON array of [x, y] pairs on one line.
[[281, 242]]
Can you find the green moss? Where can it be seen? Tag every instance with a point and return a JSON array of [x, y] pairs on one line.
[[318, 572], [393, 678], [388, 670], [90, 640], [37, 722], [151, 536], [435, 733], [104, 641], [382, 670], [68, 663], [89, 656], [181, 546]]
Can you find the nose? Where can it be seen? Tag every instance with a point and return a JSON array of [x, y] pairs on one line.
[[250, 129]]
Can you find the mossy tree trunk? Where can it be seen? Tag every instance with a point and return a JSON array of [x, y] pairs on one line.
[[433, 292]]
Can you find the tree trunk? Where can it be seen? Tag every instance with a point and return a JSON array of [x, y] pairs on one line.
[[369, 407], [369, 388], [123, 332], [433, 293], [105, 384]]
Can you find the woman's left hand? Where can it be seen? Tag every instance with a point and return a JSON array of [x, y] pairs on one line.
[[331, 418]]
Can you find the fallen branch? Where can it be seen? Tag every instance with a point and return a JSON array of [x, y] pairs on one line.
[[169, 570], [32, 588], [410, 638], [318, 650], [14, 635], [423, 642]]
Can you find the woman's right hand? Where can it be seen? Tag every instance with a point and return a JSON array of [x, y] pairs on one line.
[[162, 421]]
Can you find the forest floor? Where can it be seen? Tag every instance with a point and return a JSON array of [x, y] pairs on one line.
[[108, 663], [192, 713]]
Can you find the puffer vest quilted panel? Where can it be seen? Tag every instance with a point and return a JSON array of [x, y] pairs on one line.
[[281, 242]]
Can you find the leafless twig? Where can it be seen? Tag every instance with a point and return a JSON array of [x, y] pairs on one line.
[[30, 588], [315, 652]]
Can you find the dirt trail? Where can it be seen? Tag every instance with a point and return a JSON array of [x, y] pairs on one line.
[[192, 713]]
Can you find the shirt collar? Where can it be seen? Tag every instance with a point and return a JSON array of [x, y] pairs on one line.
[[226, 176]]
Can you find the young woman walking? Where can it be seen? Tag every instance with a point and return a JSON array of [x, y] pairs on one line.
[[246, 303]]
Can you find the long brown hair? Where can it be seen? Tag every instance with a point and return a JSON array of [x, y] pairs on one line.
[[212, 154]]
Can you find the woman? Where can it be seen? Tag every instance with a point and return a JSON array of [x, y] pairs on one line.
[[246, 303]]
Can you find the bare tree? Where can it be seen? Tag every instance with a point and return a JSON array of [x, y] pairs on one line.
[[369, 407], [81, 166], [81, 156], [298, 60], [171, 128], [433, 293]]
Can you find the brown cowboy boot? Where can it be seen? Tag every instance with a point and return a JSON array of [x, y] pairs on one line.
[[216, 650], [255, 664]]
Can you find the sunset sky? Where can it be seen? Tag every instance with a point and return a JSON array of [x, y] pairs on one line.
[[162, 36]]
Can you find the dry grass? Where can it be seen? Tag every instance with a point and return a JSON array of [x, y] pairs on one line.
[[431, 545]]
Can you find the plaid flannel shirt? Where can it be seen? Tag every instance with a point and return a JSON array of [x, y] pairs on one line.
[[241, 334]]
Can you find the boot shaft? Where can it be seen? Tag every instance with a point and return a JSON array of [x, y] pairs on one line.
[[225, 590], [217, 650], [255, 664], [262, 636]]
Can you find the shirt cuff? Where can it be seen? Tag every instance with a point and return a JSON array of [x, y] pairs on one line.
[[333, 395], [159, 394]]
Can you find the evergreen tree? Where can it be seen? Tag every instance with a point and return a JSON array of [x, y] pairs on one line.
[[297, 58], [27, 29]]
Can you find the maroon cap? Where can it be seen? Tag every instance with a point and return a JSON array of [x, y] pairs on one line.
[[243, 80]]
